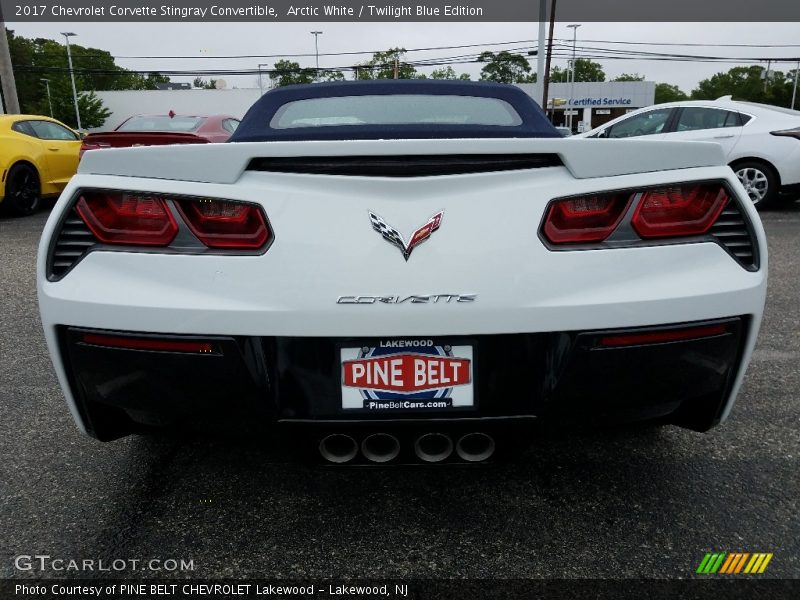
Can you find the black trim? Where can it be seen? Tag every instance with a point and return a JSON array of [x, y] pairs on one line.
[[561, 377], [405, 165]]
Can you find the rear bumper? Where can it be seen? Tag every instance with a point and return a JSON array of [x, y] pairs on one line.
[[568, 377]]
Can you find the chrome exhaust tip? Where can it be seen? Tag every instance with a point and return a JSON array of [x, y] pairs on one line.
[[475, 447], [338, 448], [380, 447], [433, 447]]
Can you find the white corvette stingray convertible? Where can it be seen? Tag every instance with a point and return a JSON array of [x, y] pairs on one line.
[[402, 271]]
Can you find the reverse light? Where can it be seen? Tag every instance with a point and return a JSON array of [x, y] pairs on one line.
[[661, 337], [229, 225], [679, 210], [585, 219], [127, 218]]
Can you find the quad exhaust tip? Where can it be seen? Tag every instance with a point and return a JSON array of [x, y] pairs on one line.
[[338, 448], [475, 447], [433, 447], [380, 447]]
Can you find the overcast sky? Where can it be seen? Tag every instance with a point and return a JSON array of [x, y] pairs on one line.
[[218, 39]]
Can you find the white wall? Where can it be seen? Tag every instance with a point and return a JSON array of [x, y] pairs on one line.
[[185, 102]]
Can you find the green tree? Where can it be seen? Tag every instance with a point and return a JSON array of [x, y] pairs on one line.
[[287, 72], [448, 73], [202, 84], [666, 92], [585, 70], [331, 75], [382, 65], [94, 69], [748, 83], [505, 67], [629, 77]]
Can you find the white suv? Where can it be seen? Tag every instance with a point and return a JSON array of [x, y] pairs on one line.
[[761, 142]]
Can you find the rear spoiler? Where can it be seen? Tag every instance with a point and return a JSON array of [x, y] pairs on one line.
[[225, 163]]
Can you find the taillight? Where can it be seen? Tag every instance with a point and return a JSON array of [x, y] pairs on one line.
[[679, 211], [85, 146], [661, 337], [585, 219], [127, 218], [190, 346], [795, 133], [227, 225]]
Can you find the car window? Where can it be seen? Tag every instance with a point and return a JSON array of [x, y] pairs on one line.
[[400, 109], [693, 118], [230, 124], [24, 127], [648, 123], [162, 123], [46, 130]]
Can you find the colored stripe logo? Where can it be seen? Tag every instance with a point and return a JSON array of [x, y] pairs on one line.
[[734, 563]]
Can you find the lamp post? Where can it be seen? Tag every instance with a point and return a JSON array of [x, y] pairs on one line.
[[574, 28], [49, 101], [316, 35], [260, 82], [67, 35]]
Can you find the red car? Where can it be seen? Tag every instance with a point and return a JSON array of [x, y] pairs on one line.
[[159, 130]]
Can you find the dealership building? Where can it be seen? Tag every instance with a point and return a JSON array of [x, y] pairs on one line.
[[593, 103]]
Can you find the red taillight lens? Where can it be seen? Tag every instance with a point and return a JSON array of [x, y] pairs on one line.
[[152, 344], [661, 337], [226, 224], [679, 211], [584, 219], [125, 218]]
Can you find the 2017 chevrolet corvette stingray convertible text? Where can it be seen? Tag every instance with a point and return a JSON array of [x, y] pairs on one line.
[[402, 272]]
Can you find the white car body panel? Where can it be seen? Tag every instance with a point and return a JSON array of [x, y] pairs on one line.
[[325, 248]]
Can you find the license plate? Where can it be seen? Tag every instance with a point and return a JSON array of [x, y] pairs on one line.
[[407, 375]]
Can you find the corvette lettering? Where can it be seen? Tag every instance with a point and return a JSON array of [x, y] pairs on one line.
[[427, 299]]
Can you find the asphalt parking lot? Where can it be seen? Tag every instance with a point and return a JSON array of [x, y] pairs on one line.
[[643, 503]]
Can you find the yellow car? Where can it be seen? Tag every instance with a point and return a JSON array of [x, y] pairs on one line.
[[38, 156]]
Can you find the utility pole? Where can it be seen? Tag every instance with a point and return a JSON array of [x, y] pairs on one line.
[[574, 27], [396, 67], [794, 89], [7, 75], [540, 55], [316, 35], [49, 100], [260, 81], [72, 77], [766, 75], [546, 81]]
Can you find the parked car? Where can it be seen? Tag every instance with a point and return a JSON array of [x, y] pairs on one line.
[[761, 142], [417, 272], [38, 155], [159, 130], [564, 131]]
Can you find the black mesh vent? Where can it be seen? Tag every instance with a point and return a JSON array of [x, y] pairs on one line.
[[73, 241], [732, 231], [403, 166]]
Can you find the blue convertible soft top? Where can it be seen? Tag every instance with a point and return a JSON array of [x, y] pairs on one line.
[[280, 115]]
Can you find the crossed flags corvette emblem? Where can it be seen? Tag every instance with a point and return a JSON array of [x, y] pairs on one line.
[[394, 237]]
